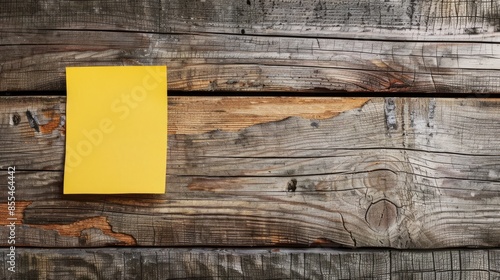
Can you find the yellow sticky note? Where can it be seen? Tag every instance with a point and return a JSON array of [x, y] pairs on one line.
[[116, 130]]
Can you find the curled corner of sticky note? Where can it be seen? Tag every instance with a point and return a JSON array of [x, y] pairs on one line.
[[116, 130]]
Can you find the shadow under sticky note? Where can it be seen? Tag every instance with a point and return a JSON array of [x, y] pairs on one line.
[[116, 130]]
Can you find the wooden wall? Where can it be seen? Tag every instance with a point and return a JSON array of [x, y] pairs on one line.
[[306, 140], [260, 45]]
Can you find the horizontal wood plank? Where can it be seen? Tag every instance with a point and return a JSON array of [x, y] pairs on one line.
[[36, 60], [385, 19], [403, 20], [394, 172], [127, 15], [156, 263], [219, 45]]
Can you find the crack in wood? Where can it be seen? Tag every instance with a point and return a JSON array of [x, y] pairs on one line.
[[33, 121], [348, 231]]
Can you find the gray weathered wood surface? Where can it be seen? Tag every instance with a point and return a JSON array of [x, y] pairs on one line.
[[156, 263], [388, 173], [394, 172], [356, 46]]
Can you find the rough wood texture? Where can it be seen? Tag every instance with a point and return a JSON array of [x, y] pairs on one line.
[[254, 264], [356, 46], [407, 19], [402, 173], [388, 19]]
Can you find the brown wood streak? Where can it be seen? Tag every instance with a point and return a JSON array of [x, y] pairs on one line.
[[74, 229], [190, 115], [18, 213], [53, 123], [77, 229]]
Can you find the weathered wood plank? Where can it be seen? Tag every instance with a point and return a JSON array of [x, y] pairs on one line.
[[407, 19], [156, 263], [102, 15], [36, 60], [385, 46], [37, 140], [187, 115], [383, 19], [403, 173]]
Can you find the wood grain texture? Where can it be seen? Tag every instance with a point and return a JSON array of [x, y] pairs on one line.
[[156, 263], [394, 172], [407, 19], [194, 115], [384, 19], [220, 45], [106, 15]]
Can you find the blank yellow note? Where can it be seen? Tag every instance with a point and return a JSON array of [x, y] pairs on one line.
[[116, 130]]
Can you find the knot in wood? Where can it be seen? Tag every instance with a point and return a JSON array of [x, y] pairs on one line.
[[381, 215], [382, 180], [292, 185], [16, 119]]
